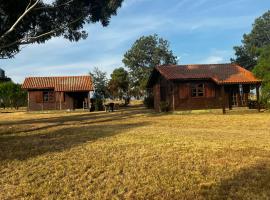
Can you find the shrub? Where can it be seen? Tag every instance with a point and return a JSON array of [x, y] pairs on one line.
[[11, 95], [164, 106], [99, 105], [96, 105], [265, 100]]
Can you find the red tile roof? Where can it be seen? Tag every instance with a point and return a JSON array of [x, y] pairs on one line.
[[63, 84], [219, 73]]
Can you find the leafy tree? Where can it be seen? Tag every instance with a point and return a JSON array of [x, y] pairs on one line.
[[244, 58], [119, 83], [146, 53], [35, 21], [11, 95], [262, 70], [247, 54], [100, 82]]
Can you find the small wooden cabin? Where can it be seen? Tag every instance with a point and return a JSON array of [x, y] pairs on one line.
[[58, 93], [209, 86]]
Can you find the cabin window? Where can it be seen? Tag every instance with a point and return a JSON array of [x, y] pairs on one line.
[[197, 90], [48, 96]]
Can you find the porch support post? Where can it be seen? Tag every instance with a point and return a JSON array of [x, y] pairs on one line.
[[60, 100], [258, 96], [230, 98], [28, 101], [89, 102], [42, 101], [173, 98], [223, 99]]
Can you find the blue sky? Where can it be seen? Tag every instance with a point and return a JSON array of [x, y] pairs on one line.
[[199, 31]]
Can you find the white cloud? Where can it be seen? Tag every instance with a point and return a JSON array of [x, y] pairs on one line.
[[216, 56], [213, 60], [128, 3], [105, 63]]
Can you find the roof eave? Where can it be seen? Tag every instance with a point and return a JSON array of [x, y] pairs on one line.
[[239, 82]]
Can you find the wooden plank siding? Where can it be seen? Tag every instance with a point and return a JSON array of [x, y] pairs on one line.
[[36, 101], [181, 91]]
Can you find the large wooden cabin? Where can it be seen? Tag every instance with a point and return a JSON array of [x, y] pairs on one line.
[[190, 87], [58, 93]]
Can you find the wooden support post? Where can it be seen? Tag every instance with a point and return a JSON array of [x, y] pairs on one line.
[[60, 101], [42, 105], [28, 101], [89, 102], [258, 96], [230, 99], [223, 99], [173, 98]]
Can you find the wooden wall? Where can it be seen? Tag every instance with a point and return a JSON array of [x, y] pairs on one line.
[[178, 95], [35, 101], [212, 98]]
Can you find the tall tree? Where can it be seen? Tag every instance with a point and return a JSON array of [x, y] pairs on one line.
[[35, 21], [247, 54], [100, 82], [262, 70], [119, 83], [244, 58], [146, 53]]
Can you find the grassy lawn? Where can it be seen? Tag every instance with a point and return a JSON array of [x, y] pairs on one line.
[[135, 154]]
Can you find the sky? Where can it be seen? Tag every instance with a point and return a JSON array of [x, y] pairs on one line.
[[199, 31]]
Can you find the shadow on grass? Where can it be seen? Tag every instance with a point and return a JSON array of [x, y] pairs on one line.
[[31, 125], [21, 147], [248, 183]]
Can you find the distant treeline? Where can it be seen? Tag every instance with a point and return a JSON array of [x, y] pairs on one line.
[[11, 95]]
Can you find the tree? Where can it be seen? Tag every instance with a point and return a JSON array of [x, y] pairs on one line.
[[100, 82], [244, 58], [262, 70], [11, 95], [33, 21], [247, 54], [119, 83], [146, 53]]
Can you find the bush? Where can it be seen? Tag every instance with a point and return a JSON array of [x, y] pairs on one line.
[[96, 105], [265, 100], [149, 102], [99, 105], [164, 106], [11, 95]]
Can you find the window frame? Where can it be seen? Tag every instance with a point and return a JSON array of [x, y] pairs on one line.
[[48, 96], [198, 89]]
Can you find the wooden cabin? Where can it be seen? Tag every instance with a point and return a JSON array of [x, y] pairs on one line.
[[209, 86], [58, 93]]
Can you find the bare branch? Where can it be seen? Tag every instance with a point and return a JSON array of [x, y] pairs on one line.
[[30, 1], [27, 10]]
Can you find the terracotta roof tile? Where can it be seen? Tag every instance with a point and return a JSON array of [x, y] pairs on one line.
[[220, 73], [64, 83]]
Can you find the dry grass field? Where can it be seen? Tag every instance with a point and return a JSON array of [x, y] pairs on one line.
[[135, 154]]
